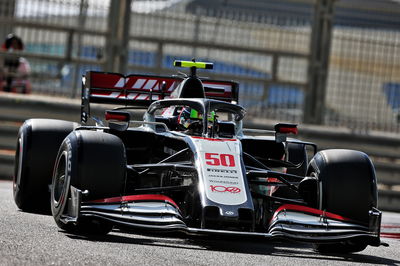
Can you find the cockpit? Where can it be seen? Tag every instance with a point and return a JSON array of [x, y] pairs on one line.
[[198, 117]]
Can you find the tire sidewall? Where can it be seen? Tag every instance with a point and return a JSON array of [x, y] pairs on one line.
[[80, 150], [38, 142], [21, 164], [67, 152]]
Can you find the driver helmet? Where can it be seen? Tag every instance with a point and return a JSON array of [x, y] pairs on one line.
[[188, 116]]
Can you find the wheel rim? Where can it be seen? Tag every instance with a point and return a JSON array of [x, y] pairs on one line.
[[60, 181], [18, 164]]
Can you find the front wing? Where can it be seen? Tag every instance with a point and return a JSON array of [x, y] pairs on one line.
[[160, 213]]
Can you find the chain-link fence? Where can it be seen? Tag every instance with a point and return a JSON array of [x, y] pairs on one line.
[[267, 52], [270, 62], [363, 90], [61, 39], [268, 57]]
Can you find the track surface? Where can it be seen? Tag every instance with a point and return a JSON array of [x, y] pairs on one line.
[[31, 239]]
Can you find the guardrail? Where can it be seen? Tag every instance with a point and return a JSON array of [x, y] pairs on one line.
[[384, 150]]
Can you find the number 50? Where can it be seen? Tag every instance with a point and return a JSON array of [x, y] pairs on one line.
[[220, 159]]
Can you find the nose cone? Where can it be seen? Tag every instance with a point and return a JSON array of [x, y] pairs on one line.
[[228, 217]]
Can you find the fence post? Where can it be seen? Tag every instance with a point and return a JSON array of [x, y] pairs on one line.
[[118, 36], [83, 9], [160, 56], [7, 9], [320, 44]]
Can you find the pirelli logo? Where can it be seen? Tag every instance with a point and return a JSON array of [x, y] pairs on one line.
[[222, 171]]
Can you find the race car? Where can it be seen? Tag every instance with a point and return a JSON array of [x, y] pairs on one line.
[[190, 166]]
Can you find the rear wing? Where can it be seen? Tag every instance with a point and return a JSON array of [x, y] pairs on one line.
[[141, 90]]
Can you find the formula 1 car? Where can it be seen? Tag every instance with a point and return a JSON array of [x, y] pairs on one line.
[[190, 167]]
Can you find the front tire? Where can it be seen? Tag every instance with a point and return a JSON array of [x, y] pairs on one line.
[[92, 161], [346, 186]]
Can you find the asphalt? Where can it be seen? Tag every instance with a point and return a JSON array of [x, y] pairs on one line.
[[31, 239]]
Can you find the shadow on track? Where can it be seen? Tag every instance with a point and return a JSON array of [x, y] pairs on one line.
[[233, 245]]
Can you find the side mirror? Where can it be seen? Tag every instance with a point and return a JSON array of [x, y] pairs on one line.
[[119, 116], [282, 130]]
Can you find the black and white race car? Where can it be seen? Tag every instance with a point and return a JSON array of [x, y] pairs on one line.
[[190, 166]]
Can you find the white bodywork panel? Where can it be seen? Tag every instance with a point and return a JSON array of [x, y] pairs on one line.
[[221, 171]]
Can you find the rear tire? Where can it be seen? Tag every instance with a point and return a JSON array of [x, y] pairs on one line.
[[346, 186], [87, 160], [37, 146]]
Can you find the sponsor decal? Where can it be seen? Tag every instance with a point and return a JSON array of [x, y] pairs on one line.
[[69, 157], [223, 181], [221, 170], [102, 85], [217, 159], [225, 189], [134, 87]]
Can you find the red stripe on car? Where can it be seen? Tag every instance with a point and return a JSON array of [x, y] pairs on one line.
[[144, 197], [304, 209]]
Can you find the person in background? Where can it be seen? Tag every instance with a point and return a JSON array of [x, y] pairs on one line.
[[14, 70]]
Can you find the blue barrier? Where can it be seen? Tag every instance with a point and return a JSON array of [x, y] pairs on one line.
[[392, 93]]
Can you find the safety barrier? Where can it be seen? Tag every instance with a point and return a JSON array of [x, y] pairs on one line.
[[383, 149]]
